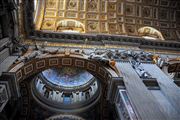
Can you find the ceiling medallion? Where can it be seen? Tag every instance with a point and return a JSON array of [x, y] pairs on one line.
[[72, 4]]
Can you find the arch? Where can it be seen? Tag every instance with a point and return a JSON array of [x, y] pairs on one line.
[[36, 65], [70, 25], [24, 70], [150, 33]]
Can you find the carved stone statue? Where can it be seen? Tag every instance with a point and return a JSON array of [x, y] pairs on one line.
[[139, 69]]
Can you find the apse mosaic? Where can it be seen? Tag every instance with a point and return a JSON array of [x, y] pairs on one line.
[[123, 17], [67, 77]]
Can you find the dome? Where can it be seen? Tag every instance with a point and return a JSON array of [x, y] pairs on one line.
[[66, 89], [67, 77]]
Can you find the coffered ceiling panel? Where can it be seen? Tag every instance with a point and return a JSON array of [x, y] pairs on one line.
[[122, 17]]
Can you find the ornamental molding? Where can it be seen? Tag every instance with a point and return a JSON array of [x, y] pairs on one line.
[[31, 33]]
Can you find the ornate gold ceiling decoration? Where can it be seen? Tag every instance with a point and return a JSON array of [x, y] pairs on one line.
[[122, 17]]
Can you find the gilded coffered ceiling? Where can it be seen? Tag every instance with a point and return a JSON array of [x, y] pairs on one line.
[[122, 17]]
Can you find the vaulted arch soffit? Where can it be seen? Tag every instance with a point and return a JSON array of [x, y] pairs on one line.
[[104, 17]]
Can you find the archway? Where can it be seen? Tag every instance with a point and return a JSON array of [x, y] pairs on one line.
[[150, 33], [24, 70], [70, 26]]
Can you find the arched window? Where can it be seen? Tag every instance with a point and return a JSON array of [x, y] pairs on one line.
[[71, 26], [150, 33]]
